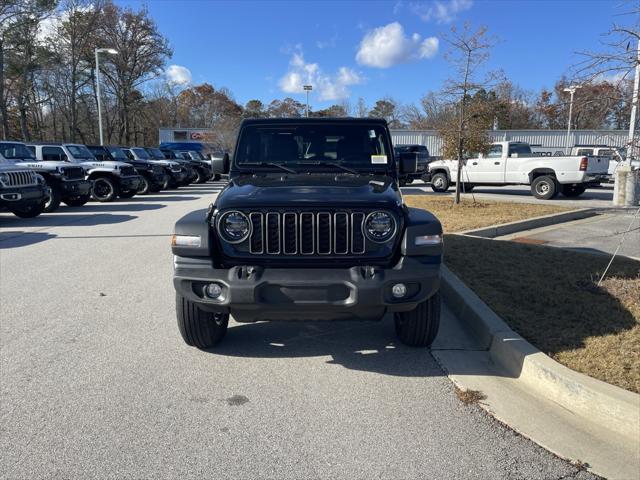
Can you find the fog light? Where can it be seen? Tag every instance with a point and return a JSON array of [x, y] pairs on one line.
[[399, 290], [213, 291]]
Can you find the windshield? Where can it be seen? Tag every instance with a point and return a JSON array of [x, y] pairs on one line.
[[156, 153], [15, 151], [305, 147], [117, 154], [80, 151], [141, 153]]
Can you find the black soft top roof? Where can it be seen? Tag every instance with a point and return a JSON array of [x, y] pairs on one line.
[[313, 120]]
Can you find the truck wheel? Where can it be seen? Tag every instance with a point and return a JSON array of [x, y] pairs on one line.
[[128, 193], [217, 177], [166, 184], [199, 328], [419, 327], [144, 187], [77, 201], [199, 177], [440, 182], [104, 189], [28, 211], [53, 202], [573, 190], [544, 187]]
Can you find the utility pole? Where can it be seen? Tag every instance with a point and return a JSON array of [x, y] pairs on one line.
[[572, 90], [110, 51], [634, 109], [307, 88]]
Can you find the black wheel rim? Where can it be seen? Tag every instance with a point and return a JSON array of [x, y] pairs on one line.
[[102, 189]]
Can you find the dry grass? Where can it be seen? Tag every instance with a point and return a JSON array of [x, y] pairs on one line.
[[469, 397], [469, 215], [549, 296]]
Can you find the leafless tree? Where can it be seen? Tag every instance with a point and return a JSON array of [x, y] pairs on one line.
[[468, 54]]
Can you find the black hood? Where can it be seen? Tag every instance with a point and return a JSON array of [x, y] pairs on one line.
[[310, 190]]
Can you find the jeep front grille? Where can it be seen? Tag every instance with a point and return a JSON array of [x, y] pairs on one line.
[[21, 178], [306, 233], [73, 173], [127, 171]]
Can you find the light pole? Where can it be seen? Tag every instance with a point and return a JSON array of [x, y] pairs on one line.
[[110, 51], [572, 90], [307, 88]]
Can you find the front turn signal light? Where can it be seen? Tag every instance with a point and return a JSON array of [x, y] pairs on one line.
[[186, 241], [428, 240]]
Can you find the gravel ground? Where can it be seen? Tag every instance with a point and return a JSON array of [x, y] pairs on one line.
[[95, 381]]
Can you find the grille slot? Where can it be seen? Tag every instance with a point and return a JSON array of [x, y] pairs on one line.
[[306, 233]]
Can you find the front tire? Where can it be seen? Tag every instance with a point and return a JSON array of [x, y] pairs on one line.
[[199, 177], [104, 189], [572, 190], [419, 327], [198, 328], [440, 182], [53, 202], [29, 211], [144, 188], [544, 187]]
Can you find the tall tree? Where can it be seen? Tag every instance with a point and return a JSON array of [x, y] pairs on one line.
[[142, 52], [388, 109]]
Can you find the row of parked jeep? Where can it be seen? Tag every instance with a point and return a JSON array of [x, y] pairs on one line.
[[37, 177]]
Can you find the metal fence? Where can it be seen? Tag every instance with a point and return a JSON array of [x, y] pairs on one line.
[[556, 139]]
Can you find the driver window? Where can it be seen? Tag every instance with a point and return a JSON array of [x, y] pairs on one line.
[[495, 151]]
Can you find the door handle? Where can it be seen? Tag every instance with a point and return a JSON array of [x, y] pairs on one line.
[[474, 163], [496, 163]]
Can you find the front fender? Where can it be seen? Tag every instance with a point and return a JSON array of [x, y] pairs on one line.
[[194, 224], [420, 223]]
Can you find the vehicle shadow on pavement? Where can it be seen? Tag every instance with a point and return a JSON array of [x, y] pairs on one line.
[[362, 346], [154, 198], [108, 207], [16, 239], [68, 219]]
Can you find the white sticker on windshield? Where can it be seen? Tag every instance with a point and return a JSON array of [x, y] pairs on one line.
[[379, 159], [372, 134]]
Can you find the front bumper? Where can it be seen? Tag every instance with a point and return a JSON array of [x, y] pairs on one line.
[[257, 293], [74, 188], [130, 183], [17, 195]]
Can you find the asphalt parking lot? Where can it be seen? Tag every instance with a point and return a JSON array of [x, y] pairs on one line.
[[97, 383]]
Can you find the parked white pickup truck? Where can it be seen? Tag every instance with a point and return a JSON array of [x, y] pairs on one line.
[[512, 163]]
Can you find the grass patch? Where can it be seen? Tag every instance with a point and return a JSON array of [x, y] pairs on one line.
[[550, 297], [470, 215], [469, 397]]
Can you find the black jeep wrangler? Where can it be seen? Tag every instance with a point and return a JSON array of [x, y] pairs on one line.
[[311, 226]]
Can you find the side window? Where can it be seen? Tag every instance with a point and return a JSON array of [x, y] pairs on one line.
[[495, 151], [128, 154], [54, 154], [585, 151]]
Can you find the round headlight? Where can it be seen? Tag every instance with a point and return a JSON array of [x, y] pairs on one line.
[[234, 227], [379, 226]]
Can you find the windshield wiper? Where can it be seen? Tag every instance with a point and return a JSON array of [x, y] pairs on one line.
[[271, 164], [331, 164]]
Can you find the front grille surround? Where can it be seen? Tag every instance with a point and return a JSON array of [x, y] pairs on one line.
[[127, 171], [73, 173], [286, 233]]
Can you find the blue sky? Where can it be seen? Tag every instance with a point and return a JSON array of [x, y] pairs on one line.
[[369, 49]]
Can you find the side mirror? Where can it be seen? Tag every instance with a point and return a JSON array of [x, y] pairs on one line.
[[221, 165], [408, 164]]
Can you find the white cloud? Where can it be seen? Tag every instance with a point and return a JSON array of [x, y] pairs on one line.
[[328, 87], [441, 11], [177, 74], [386, 46]]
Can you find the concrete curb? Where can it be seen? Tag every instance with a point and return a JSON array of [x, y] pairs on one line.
[[530, 223], [607, 405]]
